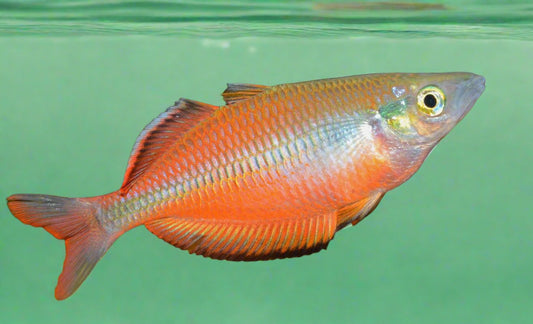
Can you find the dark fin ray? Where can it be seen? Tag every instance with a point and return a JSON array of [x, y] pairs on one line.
[[241, 91], [244, 241], [159, 135], [357, 211], [69, 219]]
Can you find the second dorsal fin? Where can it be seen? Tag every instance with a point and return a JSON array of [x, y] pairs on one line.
[[241, 91], [158, 136]]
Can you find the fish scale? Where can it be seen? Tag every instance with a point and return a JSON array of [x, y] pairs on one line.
[[257, 163]]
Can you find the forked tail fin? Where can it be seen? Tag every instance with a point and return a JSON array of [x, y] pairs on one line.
[[70, 219]]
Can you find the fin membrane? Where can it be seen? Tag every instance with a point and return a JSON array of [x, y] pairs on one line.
[[355, 212], [160, 134], [247, 241], [69, 219], [236, 92]]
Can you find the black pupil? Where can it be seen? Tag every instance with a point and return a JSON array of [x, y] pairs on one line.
[[430, 101]]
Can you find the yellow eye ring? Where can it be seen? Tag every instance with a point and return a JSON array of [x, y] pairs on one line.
[[431, 101]]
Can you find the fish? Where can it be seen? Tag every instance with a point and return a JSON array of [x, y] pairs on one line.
[[274, 173]]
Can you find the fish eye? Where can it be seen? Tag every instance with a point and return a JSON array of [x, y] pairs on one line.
[[431, 101]]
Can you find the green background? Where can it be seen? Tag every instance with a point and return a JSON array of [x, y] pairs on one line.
[[451, 245]]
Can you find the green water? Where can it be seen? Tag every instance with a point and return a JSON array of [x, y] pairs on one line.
[[452, 245]]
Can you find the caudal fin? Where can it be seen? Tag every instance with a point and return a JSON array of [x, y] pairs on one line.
[[70, 219]]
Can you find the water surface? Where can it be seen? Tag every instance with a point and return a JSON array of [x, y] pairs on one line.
[[399, 19]]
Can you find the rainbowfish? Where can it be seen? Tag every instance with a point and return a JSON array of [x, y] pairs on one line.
[[274, 173]]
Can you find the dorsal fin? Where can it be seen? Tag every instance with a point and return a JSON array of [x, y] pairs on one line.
[[241, 91], [159, 134]]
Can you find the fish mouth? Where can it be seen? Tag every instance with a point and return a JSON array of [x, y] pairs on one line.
[[471, 90]]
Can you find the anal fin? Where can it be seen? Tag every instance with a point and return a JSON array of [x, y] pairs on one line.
[[247, 241], [357, 211]]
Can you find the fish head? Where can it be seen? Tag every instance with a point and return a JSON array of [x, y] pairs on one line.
[[425, 107]]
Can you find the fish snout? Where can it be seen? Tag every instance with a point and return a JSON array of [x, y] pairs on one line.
[[468, 91], [477, 84]]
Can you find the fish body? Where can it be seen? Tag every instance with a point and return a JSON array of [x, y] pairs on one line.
[[274, 173]]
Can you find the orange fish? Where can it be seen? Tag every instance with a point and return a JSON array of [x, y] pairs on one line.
[[272, 174]]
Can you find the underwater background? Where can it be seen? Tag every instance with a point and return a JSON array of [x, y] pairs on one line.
[[80, 79]]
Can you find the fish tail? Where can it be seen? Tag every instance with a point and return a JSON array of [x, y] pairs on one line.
[[73, 220]]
